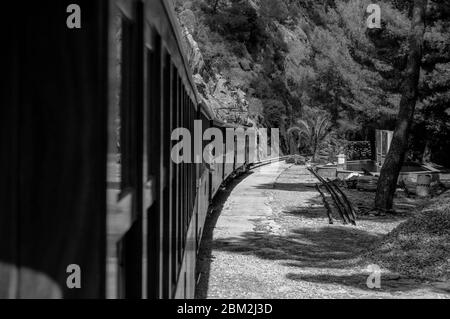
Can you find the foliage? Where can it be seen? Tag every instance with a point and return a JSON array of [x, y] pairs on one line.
[[358, 150], [312, 134], [419, 247], [274, 10], [342, 69], [239, 22], [431, 130]]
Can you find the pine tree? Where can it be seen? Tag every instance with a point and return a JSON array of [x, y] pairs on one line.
[[394, 160]]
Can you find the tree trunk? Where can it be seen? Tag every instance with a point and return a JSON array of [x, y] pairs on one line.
[[293, 149], [426, 157], [314, 157], [387, 182]]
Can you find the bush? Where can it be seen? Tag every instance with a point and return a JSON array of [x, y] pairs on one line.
[[296, 159], [358, 150], [419, 247], [239, 49], [238, 22], [274, 9]]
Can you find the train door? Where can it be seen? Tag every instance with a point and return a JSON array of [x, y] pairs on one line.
[[125, 149]]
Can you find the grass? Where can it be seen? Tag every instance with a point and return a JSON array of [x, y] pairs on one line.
[[420, 246]]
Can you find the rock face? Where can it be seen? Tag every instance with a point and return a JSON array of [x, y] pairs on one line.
[[194, 55], [226, 98], [299, 53], [229, 89]]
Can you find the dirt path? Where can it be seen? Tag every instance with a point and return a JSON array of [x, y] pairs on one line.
[[268, 237]]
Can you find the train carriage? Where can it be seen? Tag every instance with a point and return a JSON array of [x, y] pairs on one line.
[[89, 180], [161, 232]]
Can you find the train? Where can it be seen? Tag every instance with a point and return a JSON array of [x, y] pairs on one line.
[[92, 204]]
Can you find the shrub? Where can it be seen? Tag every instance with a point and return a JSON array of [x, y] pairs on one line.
[[274, 9], [238, 22], [419, 247]]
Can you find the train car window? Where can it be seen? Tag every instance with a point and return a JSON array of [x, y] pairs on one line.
[[384, 143], [154, 88], [167, 165], [180, 179], [120, 151], [258, 147], [193, 165], [205, 126], [235, 152], [175, 170], [247, 143], [153, 147], [186, 171], [123, 192], [114, 151], [189, 188], [126, 105]]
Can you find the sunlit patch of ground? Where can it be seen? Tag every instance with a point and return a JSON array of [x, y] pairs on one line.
[[294, 253]]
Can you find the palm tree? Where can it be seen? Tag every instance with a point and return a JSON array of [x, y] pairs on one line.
[[313, 132]]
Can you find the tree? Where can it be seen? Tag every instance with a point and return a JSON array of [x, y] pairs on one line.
[[214, 4], [431, 131], [387, 182], [274, 9], [312, 132], [238, 21]]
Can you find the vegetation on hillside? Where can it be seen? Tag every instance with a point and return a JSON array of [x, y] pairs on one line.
[[295, 60]]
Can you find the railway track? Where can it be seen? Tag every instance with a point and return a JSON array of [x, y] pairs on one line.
[[344, 207]]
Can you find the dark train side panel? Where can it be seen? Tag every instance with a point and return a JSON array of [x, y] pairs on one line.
[[55, 192], [71, 190]]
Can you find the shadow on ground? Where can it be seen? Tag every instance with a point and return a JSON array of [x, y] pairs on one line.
[[326, 247], [313, 208], [294, 187], [204, 258], [388, 283]]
